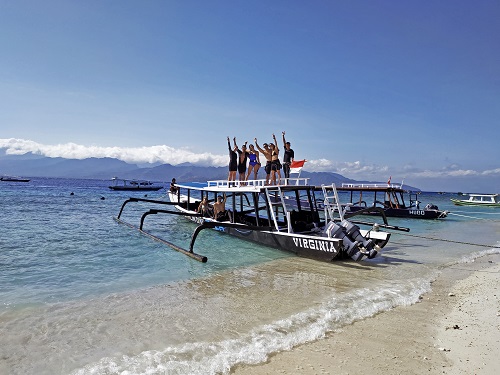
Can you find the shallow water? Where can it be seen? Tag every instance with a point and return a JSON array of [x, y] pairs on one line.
[[83, 294]]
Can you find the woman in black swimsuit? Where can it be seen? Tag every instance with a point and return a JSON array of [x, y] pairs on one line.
[[233, 160], [242, 160]]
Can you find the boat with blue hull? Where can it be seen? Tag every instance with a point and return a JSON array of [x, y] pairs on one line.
[[311, 227]]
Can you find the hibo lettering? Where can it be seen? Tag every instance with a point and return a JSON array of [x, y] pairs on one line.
[[314, 244], [417, 212]]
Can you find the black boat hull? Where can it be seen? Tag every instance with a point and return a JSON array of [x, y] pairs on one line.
[[403, 213], [133, 188]]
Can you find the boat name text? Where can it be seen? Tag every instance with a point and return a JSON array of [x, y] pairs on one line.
[[417, 212], [313, 244]]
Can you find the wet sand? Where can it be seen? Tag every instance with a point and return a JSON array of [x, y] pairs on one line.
[[454, 329]]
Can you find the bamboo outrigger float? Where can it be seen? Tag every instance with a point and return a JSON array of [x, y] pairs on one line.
[[289, 217]]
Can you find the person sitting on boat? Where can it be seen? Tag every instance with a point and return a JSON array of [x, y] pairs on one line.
[[233, 160], [254, 164], [275, 161], [287, 157], [173, 188], [204, 208], [220, 212], [242, 160], [267, 153]]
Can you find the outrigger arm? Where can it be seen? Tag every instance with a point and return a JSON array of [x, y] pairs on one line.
[[382, 213], [191, 254], [143, 200]]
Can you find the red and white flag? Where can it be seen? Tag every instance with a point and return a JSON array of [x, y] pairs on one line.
[[297, 165]]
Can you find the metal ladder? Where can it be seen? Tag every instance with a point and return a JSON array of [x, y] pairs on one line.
[[331, 203], [276, 204]]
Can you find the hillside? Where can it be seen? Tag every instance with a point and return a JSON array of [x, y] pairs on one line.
[[30, 165]]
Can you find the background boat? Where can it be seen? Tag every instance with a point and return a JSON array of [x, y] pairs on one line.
[[482, 200], [14, 179], [134, 185]]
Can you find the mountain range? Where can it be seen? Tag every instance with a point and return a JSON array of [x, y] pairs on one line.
[[31, 165]]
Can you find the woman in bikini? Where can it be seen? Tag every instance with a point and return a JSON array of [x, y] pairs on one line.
[[254, 164], [204, 208], [275, 161]]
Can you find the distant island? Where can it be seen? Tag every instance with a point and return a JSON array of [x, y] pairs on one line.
[[31, 165]]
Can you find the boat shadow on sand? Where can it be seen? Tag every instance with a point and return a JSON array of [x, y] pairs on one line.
[[380, 262]]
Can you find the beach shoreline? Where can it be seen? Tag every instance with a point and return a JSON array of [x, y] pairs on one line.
[[453, 329]]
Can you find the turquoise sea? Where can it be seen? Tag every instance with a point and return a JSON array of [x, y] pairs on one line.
[[83, 294]]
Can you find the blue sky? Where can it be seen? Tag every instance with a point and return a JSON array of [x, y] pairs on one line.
[[367, 89]]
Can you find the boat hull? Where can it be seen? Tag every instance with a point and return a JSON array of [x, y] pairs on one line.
[[13, 179], [315, 247], [135, 188], [459, 202], [404, 213]]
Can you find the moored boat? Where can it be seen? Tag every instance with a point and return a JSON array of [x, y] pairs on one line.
[[14, 179], [391, 199], [289, 217], [134, 185], [483, 200]]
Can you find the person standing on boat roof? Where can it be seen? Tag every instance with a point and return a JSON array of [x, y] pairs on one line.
[[287, 157], [267, 153], [233, 160], [242, 160], [254, 163], [275, 161]]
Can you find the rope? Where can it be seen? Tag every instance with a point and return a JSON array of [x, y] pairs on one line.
[[481, 213], [445, 240], [471, 217]]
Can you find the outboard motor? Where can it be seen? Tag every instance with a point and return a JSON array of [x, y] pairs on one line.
[[365, 246], [351, 247], [431, 206]]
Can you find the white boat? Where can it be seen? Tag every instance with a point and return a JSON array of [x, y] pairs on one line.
[[134, 185], [484, 200], [288, 217]]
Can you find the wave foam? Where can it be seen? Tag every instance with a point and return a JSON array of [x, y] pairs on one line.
[[256, 346]]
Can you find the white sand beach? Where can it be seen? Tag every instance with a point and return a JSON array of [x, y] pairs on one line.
[[454, 329]]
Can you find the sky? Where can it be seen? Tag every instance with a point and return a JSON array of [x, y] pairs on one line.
[[367, 89]]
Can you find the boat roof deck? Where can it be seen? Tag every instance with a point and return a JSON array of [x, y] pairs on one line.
[[483, 195], [243, 186], [370, 187]]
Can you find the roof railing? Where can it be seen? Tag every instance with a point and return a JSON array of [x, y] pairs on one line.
[[224, 184], [382, 185]]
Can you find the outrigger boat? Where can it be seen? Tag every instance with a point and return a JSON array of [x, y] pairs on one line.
[[133, 185], [286, 217], [483, 200], [391, 199]]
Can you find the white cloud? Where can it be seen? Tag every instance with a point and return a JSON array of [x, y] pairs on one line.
[[152, 154], [174, 156]]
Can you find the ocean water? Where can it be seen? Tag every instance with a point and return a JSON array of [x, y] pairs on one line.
[[83, 294]]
